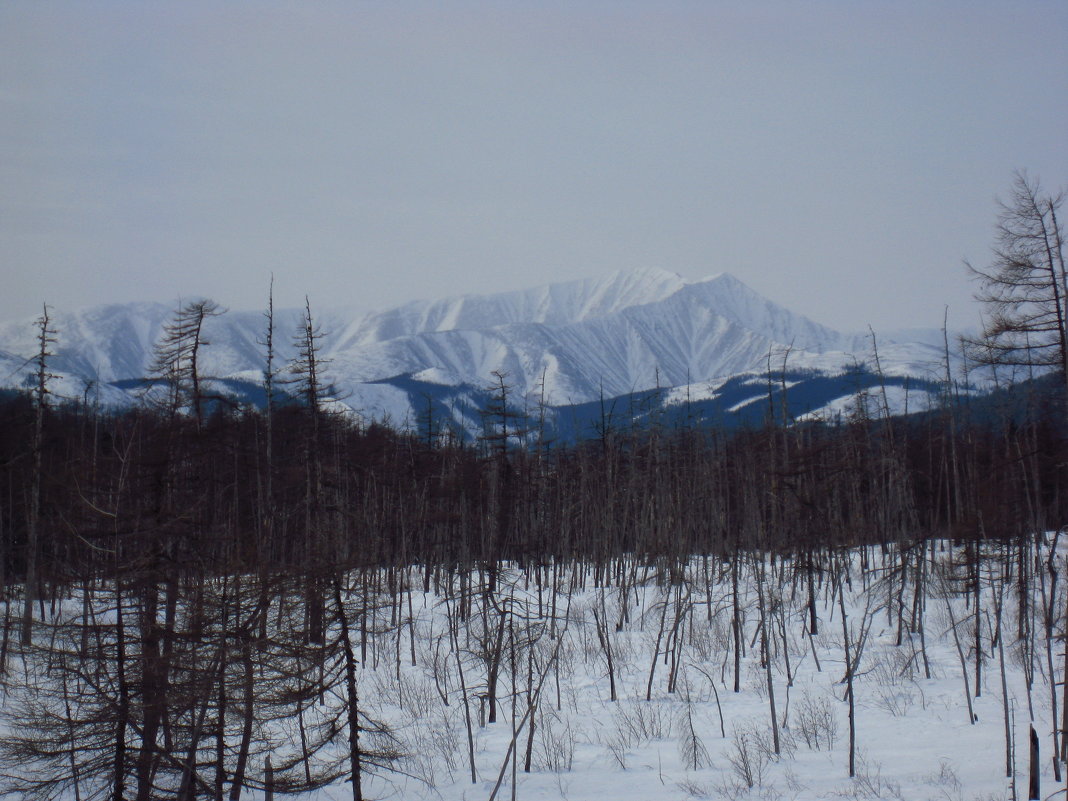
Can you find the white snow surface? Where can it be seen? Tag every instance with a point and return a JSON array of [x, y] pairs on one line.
[[915, 741], [914, 738]]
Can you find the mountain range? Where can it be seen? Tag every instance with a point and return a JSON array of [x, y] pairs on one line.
[[563, 345]]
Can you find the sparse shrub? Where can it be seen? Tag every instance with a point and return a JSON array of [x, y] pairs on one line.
[[890, 692], [722, 635], [947, 782], [747, 755], [756, 680], [703, 641], [554, 743], [692, 749], [436, 744], [565, 655], [416, 696], [639, 722], [793, 783], [622, 653], [693, 789], [444, 741], [617, 748], [869, 784], [816, 721]]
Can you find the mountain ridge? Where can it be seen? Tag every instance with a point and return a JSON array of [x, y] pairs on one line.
[[570, 342]]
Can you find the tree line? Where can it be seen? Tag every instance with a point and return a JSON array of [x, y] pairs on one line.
[[297, 490]]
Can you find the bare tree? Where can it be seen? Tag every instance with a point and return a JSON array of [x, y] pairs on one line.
[[1025, 288], [45, 337], [177, 356], [306, 367], [310, 389]]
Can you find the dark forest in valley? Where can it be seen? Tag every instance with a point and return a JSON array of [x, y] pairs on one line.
[[306, 493]]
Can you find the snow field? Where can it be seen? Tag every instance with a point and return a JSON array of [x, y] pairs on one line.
[[702, 740], [678, 730]]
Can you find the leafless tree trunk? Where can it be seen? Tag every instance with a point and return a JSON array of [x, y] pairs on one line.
[[45, 338], [604, 636], [352, 699], [849, 665], [765, 647]]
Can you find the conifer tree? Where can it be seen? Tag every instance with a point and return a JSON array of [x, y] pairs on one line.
[[176, 362], [1025, 288]]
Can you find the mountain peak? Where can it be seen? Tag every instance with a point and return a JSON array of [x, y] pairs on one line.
[[616, 333]]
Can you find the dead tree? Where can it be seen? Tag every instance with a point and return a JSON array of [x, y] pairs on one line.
[[1025, 289], [45, 338], [176, 360]]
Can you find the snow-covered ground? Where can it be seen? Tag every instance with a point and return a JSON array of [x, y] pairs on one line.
[[913, 736], [695, 737]]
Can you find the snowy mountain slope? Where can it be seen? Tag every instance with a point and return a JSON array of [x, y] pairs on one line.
[[616, 334], [102, 342], [699, 331], [552, 305], [571, 342], [115, 342]]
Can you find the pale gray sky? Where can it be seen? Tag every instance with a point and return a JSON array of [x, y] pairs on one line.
[[840, 157]]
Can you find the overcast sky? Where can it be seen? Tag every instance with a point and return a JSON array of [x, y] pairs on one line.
[[842, 158]]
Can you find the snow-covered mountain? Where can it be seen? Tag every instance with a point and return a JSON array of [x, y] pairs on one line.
[[570, 343]]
